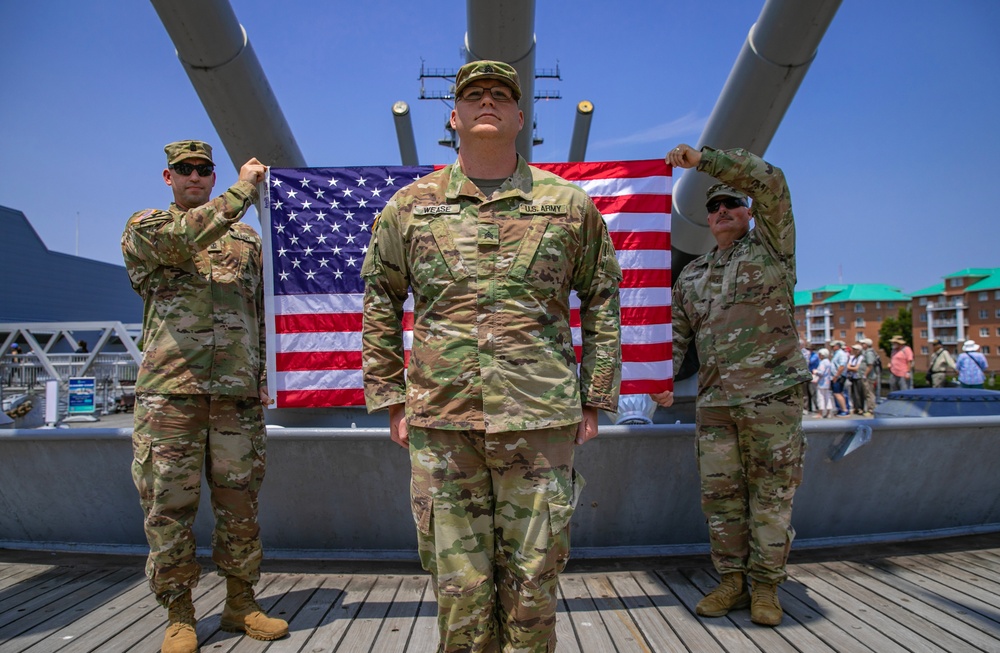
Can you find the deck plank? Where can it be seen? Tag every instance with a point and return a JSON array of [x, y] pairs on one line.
[[336, 621], [981, 613], [927, 621], [729, 636], [766, 639], [943, 611], [684, 622], [327, 591], [57, 607], [566, 639], [401, 616], [869, 608], [654, 628], [588, 624], [922, 601], [102, 623]]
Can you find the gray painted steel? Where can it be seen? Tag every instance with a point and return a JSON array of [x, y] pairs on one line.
[[223, 67], [760, 88], [581, 131], [343, 493], [504, 30], [404, 133], [44, 286]]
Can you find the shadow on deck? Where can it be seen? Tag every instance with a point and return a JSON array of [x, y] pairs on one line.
[[932, 595]]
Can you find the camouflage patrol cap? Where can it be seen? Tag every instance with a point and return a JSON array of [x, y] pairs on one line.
[[722, 190], [485, 69], [180, 150]]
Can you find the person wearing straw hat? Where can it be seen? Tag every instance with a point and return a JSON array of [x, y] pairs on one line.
[[900, 365]]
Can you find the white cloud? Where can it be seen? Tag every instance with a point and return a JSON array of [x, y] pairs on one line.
[[668, 131]]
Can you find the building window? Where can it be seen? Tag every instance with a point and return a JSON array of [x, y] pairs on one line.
[[842, 320], [983, 314], [998, 312], [879, 304], [843, 334], [923, 350], [890, 305], [923, 317], [998, 331], [983, 296], [923, 333], [859, 308], [859, 322], [984, 332], [859, 336], [956, 282], [843, 306], [996, 294], [986, 350]]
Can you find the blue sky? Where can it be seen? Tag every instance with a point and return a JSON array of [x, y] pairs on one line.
[[889, 146]]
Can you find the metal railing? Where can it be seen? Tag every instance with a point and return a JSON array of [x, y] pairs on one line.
[[27, 370]]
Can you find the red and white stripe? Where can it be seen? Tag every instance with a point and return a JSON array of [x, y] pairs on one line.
[[316, 339]]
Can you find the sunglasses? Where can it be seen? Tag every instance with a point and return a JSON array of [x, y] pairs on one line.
[[476, 93], [184, 169], [729, 202]]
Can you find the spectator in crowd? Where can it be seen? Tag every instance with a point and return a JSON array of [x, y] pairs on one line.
[[812, 361], [822, 378], [971, 366], [941, 362], [839, 361], [873, 369], [900, 365], [855, 378]]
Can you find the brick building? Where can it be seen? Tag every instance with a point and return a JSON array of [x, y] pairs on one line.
[[847, 313], [966, 306]]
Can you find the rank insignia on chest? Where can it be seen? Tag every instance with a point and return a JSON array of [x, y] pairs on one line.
[[489, 234]]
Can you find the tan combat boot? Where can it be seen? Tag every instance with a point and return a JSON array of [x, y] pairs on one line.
[[242, 614], [764, 608], [731, 594], [180, 636]]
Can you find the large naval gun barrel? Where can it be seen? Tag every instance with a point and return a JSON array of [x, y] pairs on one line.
[[504, 30], [773, 62], [581, 131], [216, 53]]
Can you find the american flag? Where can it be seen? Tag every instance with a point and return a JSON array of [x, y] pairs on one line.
[[317, 224]]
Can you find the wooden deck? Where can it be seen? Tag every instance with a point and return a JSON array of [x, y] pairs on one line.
[[941, 595]]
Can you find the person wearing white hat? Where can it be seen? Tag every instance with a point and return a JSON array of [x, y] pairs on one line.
[[971, 366]]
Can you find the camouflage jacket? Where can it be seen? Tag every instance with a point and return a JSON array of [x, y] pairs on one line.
[[737, 304], [199, 275], [491, 279]]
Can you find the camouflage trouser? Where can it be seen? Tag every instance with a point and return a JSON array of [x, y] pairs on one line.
[[492, 513], [174, 437], [750, 461]]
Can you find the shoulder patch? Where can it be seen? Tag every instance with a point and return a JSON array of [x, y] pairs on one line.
[[145, 214]]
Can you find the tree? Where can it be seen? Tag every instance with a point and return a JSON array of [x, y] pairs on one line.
[[901, 325]]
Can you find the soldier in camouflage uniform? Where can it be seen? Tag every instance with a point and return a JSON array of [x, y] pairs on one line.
[[736, 304], [200, 388], [491, 405]]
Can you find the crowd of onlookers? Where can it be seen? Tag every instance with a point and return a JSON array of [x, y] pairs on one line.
[[848, 380]]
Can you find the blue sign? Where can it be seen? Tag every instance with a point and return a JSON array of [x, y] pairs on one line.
[[81, 395]]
